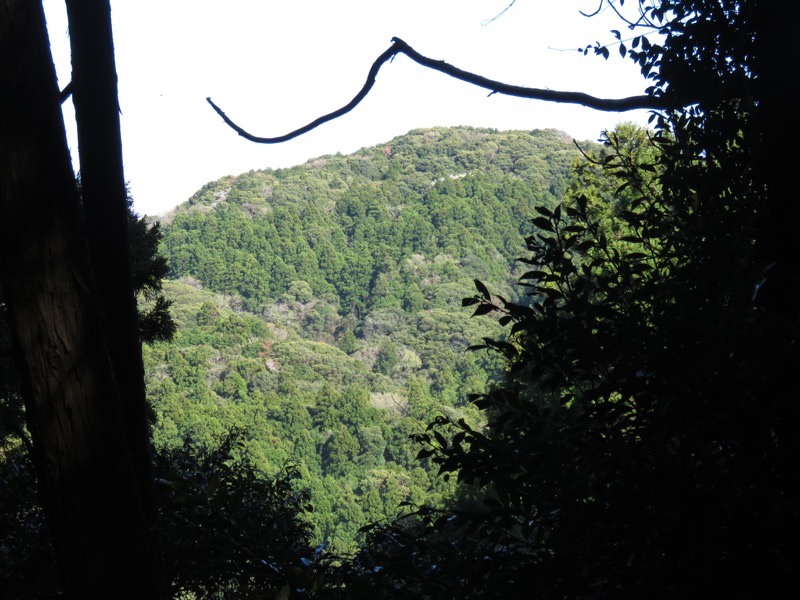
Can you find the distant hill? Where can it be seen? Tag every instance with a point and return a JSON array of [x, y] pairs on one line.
[[350, 225], [319, 307]]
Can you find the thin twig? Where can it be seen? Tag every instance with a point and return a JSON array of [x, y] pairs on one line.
[[498, 15]]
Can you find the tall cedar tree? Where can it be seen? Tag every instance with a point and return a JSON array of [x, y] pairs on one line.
[[72, 312]]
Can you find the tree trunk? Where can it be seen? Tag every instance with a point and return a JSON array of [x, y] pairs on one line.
[[777, 92], [105, 212], [91, 489]]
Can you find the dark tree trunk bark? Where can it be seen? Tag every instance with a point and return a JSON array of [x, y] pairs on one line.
[[777, 91], [90, 483], [105, 211]]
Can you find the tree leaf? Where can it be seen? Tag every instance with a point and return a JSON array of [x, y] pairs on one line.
[[543, 223], [482, 289]]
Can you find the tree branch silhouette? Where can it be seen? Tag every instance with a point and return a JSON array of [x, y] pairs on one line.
[[496, 87]]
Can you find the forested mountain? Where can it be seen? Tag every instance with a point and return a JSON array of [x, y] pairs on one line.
[[354, 226], [641, 443], [319, 309]]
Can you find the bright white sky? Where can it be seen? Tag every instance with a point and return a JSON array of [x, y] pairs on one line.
[[273, 66]]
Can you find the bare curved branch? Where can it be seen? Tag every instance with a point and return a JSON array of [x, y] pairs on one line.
[[495, 87], [595, 13], [373, 72]]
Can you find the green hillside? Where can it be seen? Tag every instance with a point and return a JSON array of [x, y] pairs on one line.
[[319, 308]]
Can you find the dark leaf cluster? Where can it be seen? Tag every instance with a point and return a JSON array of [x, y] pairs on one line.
[[637, 442], [228, 531]]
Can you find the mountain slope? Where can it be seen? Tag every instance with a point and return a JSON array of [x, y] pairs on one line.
[[346, 224], [319, 308]]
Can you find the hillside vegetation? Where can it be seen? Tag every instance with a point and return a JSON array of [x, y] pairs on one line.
[[319, 309]]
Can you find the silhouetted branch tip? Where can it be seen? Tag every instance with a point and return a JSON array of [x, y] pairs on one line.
[[398, 46], [589, 15], [498, 15]]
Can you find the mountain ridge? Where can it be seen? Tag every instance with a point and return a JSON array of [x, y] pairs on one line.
[[319, 308]]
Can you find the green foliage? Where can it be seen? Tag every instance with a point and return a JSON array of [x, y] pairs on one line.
[[625, 451], [319, 308], [27, 560], [387, 358], [298, 399], [348, 226], [149, 269], [641, 443], [226, 530], [208, 315]]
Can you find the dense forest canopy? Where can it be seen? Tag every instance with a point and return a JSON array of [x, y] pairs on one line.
[[345, 225], [335, 329]]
